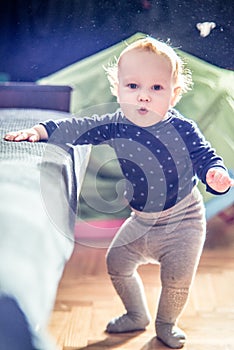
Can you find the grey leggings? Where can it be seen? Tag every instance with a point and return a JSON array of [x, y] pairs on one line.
[[174, 238]]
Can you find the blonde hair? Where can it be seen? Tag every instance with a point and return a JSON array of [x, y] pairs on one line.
[[181, 74]]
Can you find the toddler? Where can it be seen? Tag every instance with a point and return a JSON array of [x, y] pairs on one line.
[[162, 155]]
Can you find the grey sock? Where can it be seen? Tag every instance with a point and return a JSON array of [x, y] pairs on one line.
[[170, 335], [131, 292], [172, 302], [127, 323]]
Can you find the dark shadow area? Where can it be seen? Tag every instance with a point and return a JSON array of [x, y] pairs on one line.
[[154, 344], [112, 341], [14, 331]]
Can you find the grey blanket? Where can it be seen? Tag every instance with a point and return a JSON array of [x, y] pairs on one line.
[[39, 188]]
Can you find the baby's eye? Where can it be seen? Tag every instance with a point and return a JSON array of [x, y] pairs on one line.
[[132, 86], [157, 87]]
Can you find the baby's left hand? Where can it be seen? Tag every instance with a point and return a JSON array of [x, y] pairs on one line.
[[218, 179]]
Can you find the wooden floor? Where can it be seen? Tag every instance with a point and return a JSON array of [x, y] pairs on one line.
[[86, 301]]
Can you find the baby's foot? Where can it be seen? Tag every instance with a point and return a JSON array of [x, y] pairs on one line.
[[127, 323], [171, 335]]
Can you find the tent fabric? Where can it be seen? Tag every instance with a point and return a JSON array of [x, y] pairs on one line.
[[209, 103]]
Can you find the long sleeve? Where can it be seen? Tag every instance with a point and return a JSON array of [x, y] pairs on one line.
[[202, 155], [77, 131]]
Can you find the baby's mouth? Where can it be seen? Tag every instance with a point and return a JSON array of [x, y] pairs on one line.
[[142, 110]]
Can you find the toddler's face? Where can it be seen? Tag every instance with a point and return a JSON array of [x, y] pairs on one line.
[[146, 88]]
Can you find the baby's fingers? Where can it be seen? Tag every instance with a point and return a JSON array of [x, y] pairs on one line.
[[12, 136], [18, 136], [22, 136], [227, 181]]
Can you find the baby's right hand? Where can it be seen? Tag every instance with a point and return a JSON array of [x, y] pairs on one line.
[[31, 135], [34, 134]]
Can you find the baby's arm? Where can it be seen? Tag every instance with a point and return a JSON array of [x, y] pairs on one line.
[[36, 133], [218, 179]]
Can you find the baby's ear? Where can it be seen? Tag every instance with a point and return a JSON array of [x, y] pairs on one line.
[[176, 95]]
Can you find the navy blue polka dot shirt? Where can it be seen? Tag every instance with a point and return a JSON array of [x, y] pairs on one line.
[[161, 163]]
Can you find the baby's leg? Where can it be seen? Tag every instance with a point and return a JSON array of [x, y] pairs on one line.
[[122, 262], [178, 267]]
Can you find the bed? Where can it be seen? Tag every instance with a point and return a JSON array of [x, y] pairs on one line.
[[39, 185]]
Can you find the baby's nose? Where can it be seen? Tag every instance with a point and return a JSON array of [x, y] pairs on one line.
[[143, 97]]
